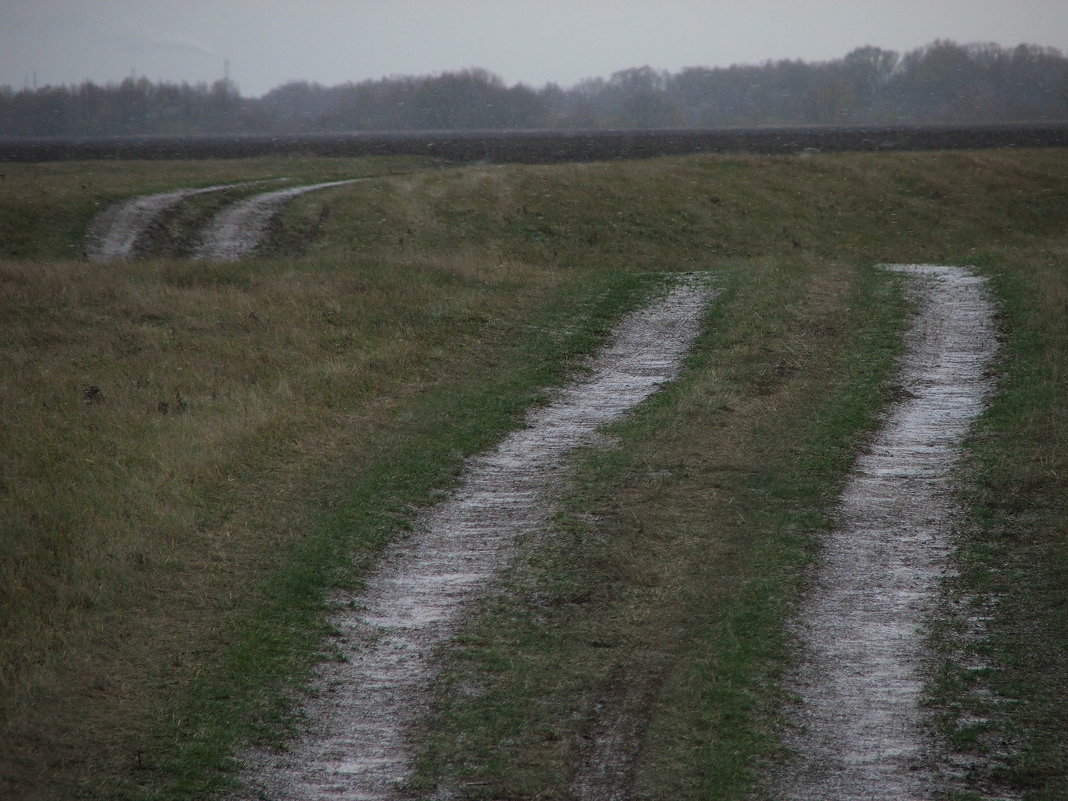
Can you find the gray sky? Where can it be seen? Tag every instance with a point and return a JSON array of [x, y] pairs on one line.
[[270, 42]]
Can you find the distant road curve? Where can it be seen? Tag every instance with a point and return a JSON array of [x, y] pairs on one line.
[[117, 232], [237, 231], [541, 146]]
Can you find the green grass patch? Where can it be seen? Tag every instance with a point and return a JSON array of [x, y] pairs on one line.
[[1002, 691]]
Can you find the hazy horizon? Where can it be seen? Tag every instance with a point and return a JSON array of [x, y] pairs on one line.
[[262, 45]]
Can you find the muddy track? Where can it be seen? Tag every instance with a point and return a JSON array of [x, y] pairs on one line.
[[237, 231], [119, 231], [859, 729], [362, 706], [610, 751]]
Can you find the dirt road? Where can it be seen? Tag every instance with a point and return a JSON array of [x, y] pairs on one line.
[[117, 233], [860, 730], [238, 230], [355, 746]]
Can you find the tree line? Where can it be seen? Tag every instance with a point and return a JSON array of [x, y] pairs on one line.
[[943, 82]]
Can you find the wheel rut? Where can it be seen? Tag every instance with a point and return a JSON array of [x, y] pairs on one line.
[[119, 231], [238, 230], [858, 730], [362, 707]]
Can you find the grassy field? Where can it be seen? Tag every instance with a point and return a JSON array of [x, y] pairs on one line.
[[193, 454]]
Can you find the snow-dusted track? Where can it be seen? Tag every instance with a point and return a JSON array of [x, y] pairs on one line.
[[237, 231], [355, 747], [116, 233], [860, 731]]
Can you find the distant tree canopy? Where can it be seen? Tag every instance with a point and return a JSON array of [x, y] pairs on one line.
[[943, 82]]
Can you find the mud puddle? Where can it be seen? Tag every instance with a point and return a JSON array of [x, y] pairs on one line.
[[859, 730], [237, 231], [361, 708]]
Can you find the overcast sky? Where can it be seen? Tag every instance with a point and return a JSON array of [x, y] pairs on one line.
[[270, 42]]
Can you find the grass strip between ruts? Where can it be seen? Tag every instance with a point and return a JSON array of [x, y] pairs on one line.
[[677, 556]]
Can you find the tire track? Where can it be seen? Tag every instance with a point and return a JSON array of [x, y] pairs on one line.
[[117, 233], [237, 231], [361, 707], [610, 752], [860, 731]]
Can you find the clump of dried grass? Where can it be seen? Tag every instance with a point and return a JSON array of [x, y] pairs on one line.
[[170, 430]]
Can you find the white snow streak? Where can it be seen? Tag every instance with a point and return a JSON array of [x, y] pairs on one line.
[[116, 233], [861, 732], [356, 747], [238, 230]]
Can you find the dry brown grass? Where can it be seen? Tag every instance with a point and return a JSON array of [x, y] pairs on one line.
[[169, 429]]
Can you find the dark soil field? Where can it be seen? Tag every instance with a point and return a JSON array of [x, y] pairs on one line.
[[542, 147]]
